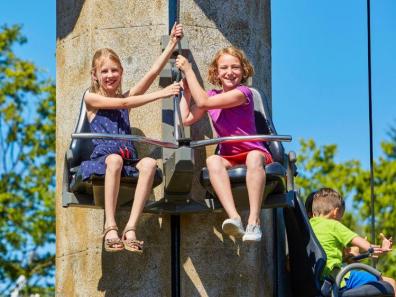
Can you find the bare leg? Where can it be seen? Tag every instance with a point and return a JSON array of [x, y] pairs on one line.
[[112, 185], [147, 168], [220, 181], [255, 182], [391, 281]]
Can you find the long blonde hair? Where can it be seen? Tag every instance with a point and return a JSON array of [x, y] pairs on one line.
[[98, 56], [247, 67]]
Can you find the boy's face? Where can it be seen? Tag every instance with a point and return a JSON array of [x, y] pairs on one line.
[[108, 73]]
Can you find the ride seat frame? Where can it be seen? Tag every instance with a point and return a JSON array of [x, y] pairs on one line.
[[307, 260]]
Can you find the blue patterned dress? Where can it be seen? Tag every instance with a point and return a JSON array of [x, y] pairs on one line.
[[111, 121]]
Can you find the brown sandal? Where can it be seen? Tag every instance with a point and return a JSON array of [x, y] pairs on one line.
[[132, 245], [112, 244]]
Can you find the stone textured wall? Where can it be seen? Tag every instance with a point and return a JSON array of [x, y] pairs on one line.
[[212, 264]]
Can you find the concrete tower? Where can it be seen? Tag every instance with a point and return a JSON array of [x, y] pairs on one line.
[[212, 264]]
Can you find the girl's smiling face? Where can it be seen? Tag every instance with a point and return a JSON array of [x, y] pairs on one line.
[[108, 73], [229, 71]]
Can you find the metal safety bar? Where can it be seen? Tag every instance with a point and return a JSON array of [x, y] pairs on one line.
[[236, 139], [134, 138], [192, 144]]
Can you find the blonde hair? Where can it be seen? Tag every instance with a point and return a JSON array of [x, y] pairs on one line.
[[247, 67], [326, 200], [97, 58]]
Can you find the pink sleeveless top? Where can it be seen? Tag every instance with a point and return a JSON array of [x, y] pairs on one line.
[[236, 121]]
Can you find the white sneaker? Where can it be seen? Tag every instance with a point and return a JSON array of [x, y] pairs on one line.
[[252, 234], [233, 227]]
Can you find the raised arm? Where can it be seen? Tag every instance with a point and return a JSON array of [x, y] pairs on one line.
[[142, 86], [202, 100], [96, 101], [190, 114]]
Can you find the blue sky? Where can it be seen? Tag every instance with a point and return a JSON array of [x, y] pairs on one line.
[[319, 67], [319, 72], [39, 26]]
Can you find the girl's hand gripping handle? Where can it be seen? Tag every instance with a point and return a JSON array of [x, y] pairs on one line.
[[176, 33], [171, 90], [182, 63]]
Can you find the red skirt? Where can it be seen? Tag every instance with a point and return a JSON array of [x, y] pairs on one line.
[[240, 158]]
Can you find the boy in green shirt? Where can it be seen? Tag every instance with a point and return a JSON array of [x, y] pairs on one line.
[[327, 210]]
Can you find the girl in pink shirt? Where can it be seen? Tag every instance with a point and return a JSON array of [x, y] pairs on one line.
[[232, 113]]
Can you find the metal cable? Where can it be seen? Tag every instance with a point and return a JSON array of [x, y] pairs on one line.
[[372, 194]]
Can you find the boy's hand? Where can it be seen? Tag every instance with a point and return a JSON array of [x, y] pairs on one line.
[[176, 33], [182, 63], [171, 90], [386, 244], [377, 251], [349, 253], [352, 251]]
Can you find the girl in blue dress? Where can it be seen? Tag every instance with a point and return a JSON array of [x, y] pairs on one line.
[[108, 112]]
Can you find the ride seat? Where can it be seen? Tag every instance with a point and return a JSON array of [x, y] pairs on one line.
[[91, 191], [307, 260], [276, 194]]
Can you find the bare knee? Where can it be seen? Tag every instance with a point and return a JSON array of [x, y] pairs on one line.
[[255, 161], [215, 164], [114, 163], [146, 165]]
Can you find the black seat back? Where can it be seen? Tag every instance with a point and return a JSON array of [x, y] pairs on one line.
[[306, 256], [265, 125], [80, 149]]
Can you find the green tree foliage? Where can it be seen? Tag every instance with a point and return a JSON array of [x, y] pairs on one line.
[[27, 169], [318, 168], [385, 197]]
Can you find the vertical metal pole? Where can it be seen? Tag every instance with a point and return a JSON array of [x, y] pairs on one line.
[[370, 125], [172, 13], [175, 219], [174, 16], [175, 251]]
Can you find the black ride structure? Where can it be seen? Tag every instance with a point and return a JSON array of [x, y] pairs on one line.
[[298, 257]]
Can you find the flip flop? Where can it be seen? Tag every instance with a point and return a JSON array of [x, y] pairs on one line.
[[112, 244]]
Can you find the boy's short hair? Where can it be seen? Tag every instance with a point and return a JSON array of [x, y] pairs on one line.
[[326, 200]]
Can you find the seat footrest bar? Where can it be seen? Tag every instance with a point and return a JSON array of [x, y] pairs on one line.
[[176, 207]]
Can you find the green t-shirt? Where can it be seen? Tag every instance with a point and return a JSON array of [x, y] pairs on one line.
[[334, 237]]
